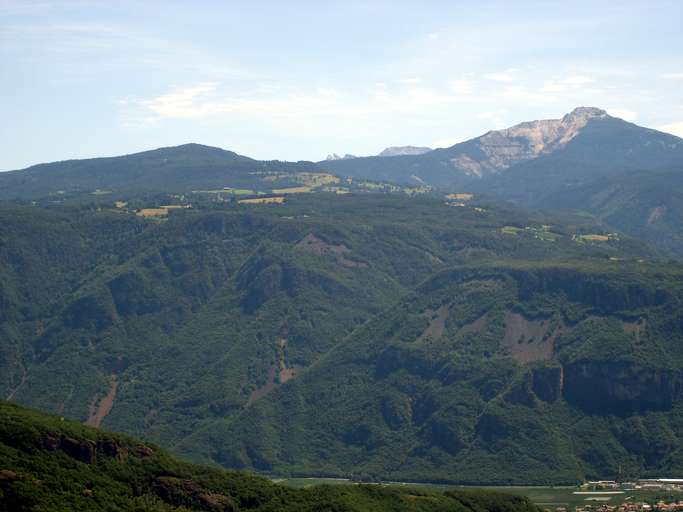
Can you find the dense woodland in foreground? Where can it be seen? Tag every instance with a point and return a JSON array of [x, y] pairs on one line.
[[49, 464]]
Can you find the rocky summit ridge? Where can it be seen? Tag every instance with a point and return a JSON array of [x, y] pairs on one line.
[[503, 148]]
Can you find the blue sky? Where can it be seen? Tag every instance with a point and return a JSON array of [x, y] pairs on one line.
[[298, 80]]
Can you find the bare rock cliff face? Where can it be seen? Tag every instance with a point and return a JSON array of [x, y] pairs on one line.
[[548, 383], [503, 148], [601, 387], [620, 387]]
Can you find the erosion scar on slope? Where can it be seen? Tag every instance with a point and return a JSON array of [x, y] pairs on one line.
[[437, 323], [99, 412], [528, 340]]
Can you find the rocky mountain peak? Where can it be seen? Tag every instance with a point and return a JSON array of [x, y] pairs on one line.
[[335, 156], [404, 150], [525, 141], [584, 114]]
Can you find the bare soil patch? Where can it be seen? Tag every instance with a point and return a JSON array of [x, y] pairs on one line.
[[528, 340], [314, 244], [351, 263], [437, 323], [279, 373], [99, 410], [636, 327], [289, 373], [655, 214]]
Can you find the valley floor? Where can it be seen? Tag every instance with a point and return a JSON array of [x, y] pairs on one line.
[[550, 498]]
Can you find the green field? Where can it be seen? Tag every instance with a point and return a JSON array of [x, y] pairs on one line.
[[545, 497]]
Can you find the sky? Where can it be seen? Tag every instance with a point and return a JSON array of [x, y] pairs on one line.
[[297, 80]]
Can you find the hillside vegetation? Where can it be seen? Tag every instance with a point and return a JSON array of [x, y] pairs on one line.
[[49, 464], [164, 327], [503, 372]]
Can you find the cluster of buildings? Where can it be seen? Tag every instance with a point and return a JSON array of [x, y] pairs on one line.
[[597, 495], [629, 507], [643, 484]]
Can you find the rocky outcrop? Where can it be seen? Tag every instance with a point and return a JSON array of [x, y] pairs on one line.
[[188, 493], [614, 387], [604, 295], [497, 150], [8, 476], [521, 392], [547, 383], [111, 448], [335, 156], [79, 449], [88, 451], [600, 387]]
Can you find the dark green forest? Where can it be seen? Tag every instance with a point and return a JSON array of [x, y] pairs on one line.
[[51, 464], [219, 331], [278, 318]]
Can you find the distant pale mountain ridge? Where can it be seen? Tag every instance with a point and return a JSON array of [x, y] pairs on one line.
[[404, 150], [335, 156], [390, 151], [587, 139]]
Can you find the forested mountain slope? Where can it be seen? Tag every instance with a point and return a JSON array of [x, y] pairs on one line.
[[49, 464], [644, 204], [517, 372], [161, 327], [174, 169]]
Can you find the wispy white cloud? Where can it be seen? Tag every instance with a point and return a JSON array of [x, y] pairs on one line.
[[673, 76], [409, 81], [346, 113], [207, 100], [553, 87], [186, 103], [577, 80], [502, 76], [105, 46], [462, 87]]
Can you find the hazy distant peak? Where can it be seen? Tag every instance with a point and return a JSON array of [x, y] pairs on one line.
[[404, 150], [335, 156]]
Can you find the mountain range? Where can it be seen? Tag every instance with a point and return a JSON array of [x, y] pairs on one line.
[[587, 139], [582, 161], [507, 310]]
